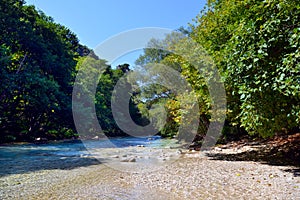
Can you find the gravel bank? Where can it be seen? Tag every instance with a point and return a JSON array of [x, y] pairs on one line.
[[193, 176]]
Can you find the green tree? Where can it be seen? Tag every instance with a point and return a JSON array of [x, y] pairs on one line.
[[37, 73], [176, 52], [256, 46]]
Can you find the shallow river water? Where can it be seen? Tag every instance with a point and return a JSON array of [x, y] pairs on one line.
[[116, 153], [135, 168]]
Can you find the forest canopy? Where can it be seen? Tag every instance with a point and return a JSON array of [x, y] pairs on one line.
[[254, 45], [39, 62]]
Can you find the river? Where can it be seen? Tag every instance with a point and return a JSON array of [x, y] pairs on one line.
[[114, 152], [98, 170]]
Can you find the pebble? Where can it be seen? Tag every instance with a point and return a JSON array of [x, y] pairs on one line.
[[188, 178]]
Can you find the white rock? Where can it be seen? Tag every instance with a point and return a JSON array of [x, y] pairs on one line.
[[218, 149]]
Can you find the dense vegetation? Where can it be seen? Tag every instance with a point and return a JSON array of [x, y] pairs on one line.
[[37, 69], [254, 44], [39, 61]]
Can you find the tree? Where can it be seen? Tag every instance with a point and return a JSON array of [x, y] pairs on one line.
[[255, 44], [177, 53], [37, 73]]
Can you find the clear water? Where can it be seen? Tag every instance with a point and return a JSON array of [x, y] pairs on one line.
[[148, 153], [78, 148], [30, 158]]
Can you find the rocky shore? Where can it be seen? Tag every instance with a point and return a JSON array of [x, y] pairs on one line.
[[195, 175]]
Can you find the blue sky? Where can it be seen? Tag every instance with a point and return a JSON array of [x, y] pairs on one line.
[[94, 21]]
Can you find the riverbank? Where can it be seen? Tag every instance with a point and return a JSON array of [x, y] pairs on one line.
[[195, 175]]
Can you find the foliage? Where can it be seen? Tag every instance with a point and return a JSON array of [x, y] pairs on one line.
[[92, 70], [39, 62], [37, 72], [256, 46], [176, 52]]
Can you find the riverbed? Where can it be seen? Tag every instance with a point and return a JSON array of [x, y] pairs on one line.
[[148, 153], [160, 170]]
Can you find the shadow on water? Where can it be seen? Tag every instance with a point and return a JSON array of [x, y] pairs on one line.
[[19, 159]]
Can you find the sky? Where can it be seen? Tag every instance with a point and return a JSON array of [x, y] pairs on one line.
[[94, 21]]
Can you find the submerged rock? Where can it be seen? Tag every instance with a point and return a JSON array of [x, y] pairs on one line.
[[115, 156], [128, 160]]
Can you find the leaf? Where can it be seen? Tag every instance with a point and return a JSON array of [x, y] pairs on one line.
[[242, 96]]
